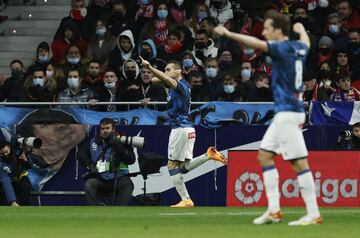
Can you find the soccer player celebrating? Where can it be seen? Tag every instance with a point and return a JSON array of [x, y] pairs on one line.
[[182, 136], [284, 136]]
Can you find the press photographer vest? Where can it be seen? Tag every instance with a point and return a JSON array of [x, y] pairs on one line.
[[96, 151]]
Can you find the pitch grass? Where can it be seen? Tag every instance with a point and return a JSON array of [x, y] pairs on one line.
[[158, 222]]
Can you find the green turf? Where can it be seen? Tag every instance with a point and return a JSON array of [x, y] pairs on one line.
[[158, 222]]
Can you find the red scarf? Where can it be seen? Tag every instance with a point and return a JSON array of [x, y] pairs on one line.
[[173, 49]]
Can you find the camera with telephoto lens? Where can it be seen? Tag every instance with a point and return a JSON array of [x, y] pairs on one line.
[[25, 144], [133, 141]]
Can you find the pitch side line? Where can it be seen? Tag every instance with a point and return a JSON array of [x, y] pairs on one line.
[[248, 213]]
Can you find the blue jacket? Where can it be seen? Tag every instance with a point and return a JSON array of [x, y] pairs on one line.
[[9, 172], [125, 153]]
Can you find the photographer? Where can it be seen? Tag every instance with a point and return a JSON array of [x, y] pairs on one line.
[[350, 140], [15, 186], [107, 160]]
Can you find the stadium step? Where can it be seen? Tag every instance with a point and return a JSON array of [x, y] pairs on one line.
[[17, 12], [28, 25]]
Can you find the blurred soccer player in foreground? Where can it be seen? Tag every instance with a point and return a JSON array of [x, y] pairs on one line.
[[284, 136], [182, 136]]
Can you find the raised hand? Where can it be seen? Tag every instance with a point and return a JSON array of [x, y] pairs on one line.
[[144, 63], [220, 31]]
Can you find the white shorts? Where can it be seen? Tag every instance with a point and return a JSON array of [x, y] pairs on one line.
[[181, 143], [284, 136]]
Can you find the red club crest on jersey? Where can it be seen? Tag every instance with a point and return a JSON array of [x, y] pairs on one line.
[[191, 135]]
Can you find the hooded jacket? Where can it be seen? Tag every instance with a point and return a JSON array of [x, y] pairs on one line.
[[223, 14], [118, 56]]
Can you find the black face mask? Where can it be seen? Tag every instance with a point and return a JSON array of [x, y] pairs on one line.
[[118, 15], [324, 51], [324, 73], [130, 74], [145, 54], [200, 45], [225, 64], [17, 74], [354, 45], [217, 4]]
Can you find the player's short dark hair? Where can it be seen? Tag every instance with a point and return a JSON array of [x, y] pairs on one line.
[[107, 121], [279, 21], [3, 143], [176, 63], [175, 33], [74, 70]]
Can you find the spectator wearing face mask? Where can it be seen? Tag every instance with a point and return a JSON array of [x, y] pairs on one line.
[[221, 10], [213, 83], [79, 18], [158, 28], [354, 55], [12, 89], [109, 92], [200, 12], [325, 49], [122, 51], [246, 82], [189, 64], [198, 90], [93, 78], [301, 14], [326, 83], [129, 77], [335, 31], [74, 60], [147, 50], [344, 92], [43, 57], [69, 36], [231, 92], [101, 44], [204, 47], [120, 20], [75, 92], [39, 88]]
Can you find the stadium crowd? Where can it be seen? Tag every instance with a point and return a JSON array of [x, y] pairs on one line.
[[95, 52]]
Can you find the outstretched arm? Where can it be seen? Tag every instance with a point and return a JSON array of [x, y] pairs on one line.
[[248, 41], [299, 29], [172, 83]]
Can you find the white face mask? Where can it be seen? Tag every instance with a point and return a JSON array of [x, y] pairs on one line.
[[83, 12], [109, 85], [179, 2], [229, 88], [246, 73], [73, 82], [38, 82], [101, 31]]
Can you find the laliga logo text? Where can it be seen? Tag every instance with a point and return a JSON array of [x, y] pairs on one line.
[[249, 188]]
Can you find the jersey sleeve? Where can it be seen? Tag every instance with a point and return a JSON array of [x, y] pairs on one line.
[[274, 49], [182, 87]]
